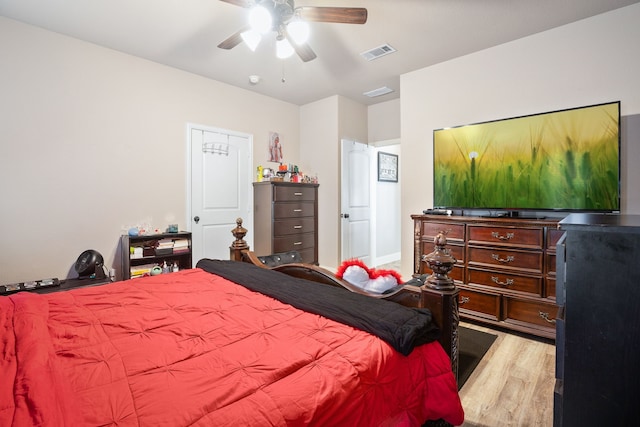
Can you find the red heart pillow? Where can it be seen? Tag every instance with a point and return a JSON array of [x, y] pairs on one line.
[[357, 273]]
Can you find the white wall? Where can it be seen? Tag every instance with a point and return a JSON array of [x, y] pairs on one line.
[[323, 124], [93, 140], [319, 131], [592, 61], [384, 121]]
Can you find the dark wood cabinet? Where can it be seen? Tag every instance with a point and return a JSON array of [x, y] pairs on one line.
[[140, 253], [286, 218], [502, 268], [598, 338]]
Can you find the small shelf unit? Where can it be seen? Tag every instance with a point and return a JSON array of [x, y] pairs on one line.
[[140, 251]]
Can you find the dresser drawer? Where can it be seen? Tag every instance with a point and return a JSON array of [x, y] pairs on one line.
[[308, 256], [550, 263], [501, 280], [506, 236], [526, 261], [553, 235], [293, 210], [288, 193], [294, 242], [479, 304], [453, 231], [530, 312], [286, 227], [551, 288]]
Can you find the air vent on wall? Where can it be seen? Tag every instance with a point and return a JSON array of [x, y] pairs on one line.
[[377, 52], [378, 92]]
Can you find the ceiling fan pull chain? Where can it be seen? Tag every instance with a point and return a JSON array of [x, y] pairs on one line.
[[283, 80]]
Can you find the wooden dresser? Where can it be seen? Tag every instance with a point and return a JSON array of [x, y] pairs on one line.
[[505, 268], [286, 218]]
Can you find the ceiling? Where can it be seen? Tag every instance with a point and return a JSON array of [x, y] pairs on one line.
[[185, 33]]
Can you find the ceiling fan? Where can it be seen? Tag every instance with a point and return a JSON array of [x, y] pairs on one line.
[[286, 19]]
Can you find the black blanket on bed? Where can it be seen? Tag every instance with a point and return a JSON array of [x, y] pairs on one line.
[[402, 327]]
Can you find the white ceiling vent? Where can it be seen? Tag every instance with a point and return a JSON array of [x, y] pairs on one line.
[[378, 92], [377, 52]]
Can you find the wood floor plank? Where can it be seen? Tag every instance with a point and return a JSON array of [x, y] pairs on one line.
[[513, 383]]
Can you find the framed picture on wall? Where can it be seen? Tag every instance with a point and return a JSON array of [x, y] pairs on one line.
[[387, 167]]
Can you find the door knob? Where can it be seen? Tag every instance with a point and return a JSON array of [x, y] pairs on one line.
[[344, 215], [196, 219]]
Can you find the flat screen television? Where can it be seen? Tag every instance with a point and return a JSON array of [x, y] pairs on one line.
[[566, 160]]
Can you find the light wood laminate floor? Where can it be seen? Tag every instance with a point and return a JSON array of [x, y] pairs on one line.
[[513, 383]]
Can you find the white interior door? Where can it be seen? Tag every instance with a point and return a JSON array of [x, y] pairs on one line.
[[356, 229], [220, 190]]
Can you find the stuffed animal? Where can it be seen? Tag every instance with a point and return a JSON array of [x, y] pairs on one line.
[[357, 273]]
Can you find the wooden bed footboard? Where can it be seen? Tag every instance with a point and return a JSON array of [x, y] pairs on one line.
[[438, 293]]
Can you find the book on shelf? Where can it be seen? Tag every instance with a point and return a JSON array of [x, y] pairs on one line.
[[180, 246], [165, 243], [140, 270], [181, 243], [135, 252]]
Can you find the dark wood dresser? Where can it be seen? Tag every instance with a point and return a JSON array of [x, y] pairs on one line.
[[505, 268], [598, 338], [286, 218]]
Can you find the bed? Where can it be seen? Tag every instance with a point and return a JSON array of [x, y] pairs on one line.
[[224, 344]]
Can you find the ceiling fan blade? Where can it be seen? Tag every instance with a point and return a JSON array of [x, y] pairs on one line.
[[233, 40], [304, 51], [339, 15], [241, 3]]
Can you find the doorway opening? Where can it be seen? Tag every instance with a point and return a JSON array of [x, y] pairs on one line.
[[370, 209]]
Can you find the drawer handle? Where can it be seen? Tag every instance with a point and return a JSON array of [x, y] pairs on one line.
[[297, 210], [297, 194], [497, 281], [508, 259], [464, 300], [545, 316], [297, 226], [497, 235], [297, 243]]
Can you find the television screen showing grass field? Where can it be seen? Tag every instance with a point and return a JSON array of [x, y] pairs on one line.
[[563, 160]]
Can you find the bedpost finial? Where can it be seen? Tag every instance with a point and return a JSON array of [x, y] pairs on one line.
[[441, 263], [239, 232]]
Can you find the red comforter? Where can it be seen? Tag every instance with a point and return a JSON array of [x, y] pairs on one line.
[[192, 348]]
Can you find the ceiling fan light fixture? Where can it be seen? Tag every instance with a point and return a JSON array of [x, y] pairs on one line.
[[260, 19], [290, 23], [252, 39], [299, 31], [284, 49]]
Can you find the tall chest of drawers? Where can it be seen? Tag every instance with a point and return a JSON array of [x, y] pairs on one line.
[[505, 268], [597, 345], [286, 219]]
